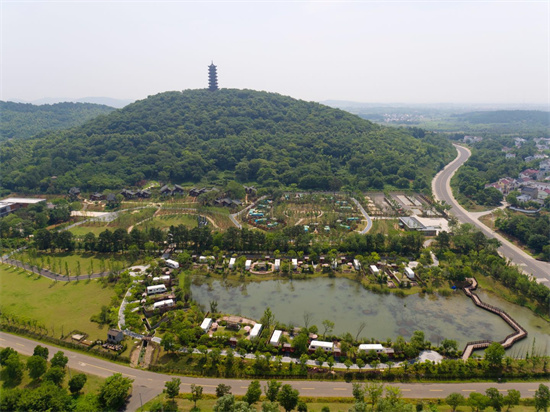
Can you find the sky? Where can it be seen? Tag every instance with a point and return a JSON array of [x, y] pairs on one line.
[[364, 51]]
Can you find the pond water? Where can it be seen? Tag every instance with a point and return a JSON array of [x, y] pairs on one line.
[[348, 304]]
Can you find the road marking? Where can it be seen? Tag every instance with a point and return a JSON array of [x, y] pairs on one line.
[[2, 339], [110, 370], [469, 390], [502, 390], [244, 387], [436, 390], [20, 344], [531, 390], [307, 389], [149, 379], [405, 390], [339, 389]]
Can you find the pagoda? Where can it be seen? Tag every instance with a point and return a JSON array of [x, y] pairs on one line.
[[212, 78]]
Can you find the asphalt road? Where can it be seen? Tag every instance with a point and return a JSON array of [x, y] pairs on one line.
[[442, 191], [149, 384]]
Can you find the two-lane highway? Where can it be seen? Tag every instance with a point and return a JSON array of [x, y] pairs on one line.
[[441, 187], [149, 384]]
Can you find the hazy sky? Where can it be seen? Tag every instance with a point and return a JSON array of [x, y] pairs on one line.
[[413, 52]]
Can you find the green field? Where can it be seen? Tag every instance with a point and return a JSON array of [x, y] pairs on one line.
[[63, 306], [165, 221], [385, 226], [57, 261], [81, 231]]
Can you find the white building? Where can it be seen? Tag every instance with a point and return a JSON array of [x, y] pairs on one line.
[[374, 270], [356, 264], [206, 323], [294, 264], [277, 264], [367, 347], [247, 264], [276, 337], [172, 264], [255, 332], [152, 290], [163, 279], [326, 346], [232, 263], [163, 303], [409, 272]]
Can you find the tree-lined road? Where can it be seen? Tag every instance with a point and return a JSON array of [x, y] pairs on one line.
[[147, 384], [441, 187]]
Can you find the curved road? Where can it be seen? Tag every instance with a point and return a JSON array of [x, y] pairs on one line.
[[147, 384], [441, 188]]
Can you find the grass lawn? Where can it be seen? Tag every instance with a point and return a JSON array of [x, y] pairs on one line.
[[63, 306], [165, 221], [82, 230], [72, 259], [385, 226]]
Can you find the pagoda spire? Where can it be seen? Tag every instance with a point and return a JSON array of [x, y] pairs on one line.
[[212, 78]]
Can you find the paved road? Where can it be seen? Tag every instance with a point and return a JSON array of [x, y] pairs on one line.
[[365, 215], [442, 191], [149, 384]]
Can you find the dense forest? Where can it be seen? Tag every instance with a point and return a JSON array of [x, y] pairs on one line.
[[212, 137], [21, 120]]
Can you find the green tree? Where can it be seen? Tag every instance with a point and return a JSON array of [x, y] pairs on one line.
[[55, 374], [13, 368], [59, 359], [270, 407], [222, 389], [496, 399], [41, 351], [328, 327], [358, 392], [288, 397], [253, 393], [477, 401], [225, 404], [114, 391], [268, 318], [494, 354], [37, 366], [454, 400], [196, 393], [77, 382], [271, 390], [172, 388], [542, 398], [512, 398], [373, 392]]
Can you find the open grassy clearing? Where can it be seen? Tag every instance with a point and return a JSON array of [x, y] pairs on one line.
[[164, 221], [99, 262], [385, 226], [61, 306]]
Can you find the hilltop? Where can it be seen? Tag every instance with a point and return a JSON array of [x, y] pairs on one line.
[[23, 120], [211, 137]]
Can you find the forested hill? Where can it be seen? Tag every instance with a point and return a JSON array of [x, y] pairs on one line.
[[23, 120], [197, 135], [533, 117]]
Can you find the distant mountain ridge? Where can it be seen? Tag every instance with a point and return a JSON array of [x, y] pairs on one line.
[[23, 120], [197, 136], [506, 116], [107, 101]]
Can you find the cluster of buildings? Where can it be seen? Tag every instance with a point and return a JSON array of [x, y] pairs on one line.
[[533, 184]]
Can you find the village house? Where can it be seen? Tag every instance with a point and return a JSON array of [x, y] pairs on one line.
[[114, 336], [143, 194], [97, 196], [315, 344], [74, 192], [128, 194], [166, 191]]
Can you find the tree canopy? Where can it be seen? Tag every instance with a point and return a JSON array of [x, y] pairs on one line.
[[241, 135]]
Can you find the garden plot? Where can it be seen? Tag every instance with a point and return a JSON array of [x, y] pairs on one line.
[[318, 213]]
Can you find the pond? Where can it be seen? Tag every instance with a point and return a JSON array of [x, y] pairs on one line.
[[348, 304]]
